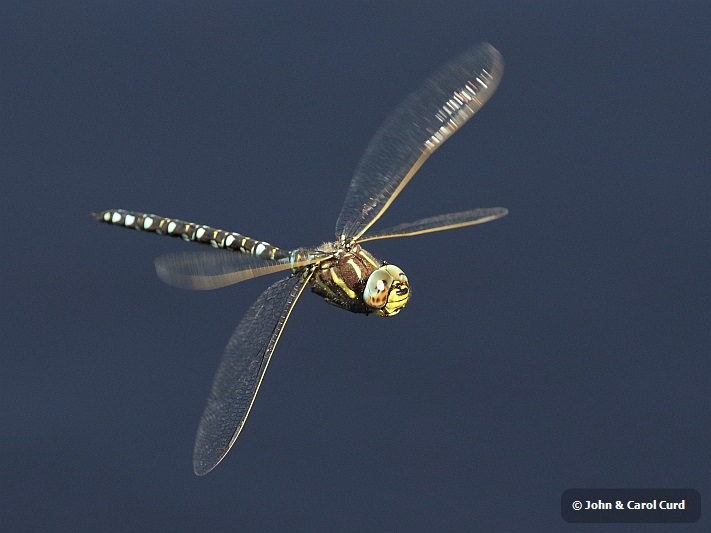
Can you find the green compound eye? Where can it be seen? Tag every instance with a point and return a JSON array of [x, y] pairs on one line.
[[387, 290]]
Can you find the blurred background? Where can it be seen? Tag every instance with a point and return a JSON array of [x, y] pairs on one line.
[[564, 346]]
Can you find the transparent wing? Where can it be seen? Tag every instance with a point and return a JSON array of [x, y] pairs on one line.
[[214, 269], [241, 371], [417, 127], [439, 223]]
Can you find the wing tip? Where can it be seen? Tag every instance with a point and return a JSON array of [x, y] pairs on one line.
[[200, 469]]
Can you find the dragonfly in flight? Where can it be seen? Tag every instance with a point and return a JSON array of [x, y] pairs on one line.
[[340, 271]]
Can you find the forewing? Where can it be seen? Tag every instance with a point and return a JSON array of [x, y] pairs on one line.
[[241, 370], [439, 223], [417, 127]]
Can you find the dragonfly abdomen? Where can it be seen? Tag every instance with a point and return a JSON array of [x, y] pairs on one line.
[[189, 231]]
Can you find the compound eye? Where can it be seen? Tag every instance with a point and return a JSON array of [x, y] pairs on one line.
[[387, 290]]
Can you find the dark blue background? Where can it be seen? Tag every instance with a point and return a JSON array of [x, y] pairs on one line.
[[565, 346]]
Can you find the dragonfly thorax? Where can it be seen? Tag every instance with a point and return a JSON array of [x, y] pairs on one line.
[[353, 279]]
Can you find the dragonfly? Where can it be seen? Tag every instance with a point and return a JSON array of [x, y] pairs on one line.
[[342, 272]]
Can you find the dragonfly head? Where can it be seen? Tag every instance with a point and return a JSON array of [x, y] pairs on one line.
[[387, 290]]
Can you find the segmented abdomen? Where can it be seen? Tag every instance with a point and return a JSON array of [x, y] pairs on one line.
[[191, 232]]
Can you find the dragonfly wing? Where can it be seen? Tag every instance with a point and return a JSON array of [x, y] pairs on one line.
[[214, 269], [241, 371], [439, 223], [417, 127]]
